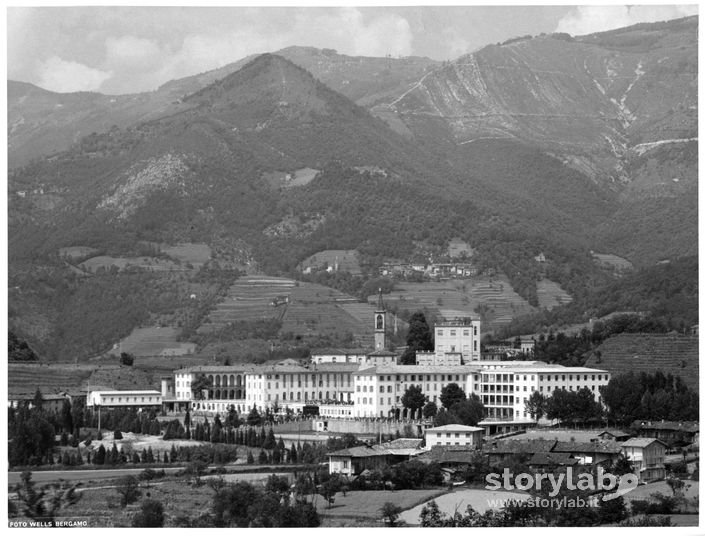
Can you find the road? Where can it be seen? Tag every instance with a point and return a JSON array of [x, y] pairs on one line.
[[87, 475]]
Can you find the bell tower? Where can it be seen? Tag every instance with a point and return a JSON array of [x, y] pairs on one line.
[[380, 324]]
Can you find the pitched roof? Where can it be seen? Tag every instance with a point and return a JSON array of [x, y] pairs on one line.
[[592, 447], [615, 433], [448, 454], [641, 442], [364, 451], [684, 426], [552, 458], [455, 428], [514, 446]]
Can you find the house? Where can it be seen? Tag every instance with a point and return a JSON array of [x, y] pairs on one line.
[[354, 460], [671, 432], [550, 452], [500, 451], [614, 435], [454, 434], [453, 460], [589, 453], [647, 456]]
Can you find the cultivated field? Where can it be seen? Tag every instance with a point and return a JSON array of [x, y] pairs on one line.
[[250, 298], [463, 297], [551, 294], [305, 309], [641, 352], [154, 341], [25, 378]]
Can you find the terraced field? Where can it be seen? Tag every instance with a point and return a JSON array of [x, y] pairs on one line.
[[316, 310], [154, 341], [647, 352], [551, 294], [311, 310], [49, 378], [250, 298], [462, 297]]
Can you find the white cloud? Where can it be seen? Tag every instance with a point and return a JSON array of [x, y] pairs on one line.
[[132, 52], [590, 19], [64, 76]]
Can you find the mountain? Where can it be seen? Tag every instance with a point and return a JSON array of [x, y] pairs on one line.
[[42, 122], [267, 163], [606, 104]]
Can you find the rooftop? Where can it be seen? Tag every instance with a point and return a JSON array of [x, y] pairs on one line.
[[641, 442], [455, 428], [417, 369]]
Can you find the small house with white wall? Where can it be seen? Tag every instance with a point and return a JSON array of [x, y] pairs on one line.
[[454, 434]]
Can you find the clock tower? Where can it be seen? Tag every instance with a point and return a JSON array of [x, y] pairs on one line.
[[380, 324]]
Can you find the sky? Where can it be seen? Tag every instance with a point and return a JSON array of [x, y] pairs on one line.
[[117, 50]]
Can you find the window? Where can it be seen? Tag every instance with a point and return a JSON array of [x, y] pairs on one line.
[[345, 464]]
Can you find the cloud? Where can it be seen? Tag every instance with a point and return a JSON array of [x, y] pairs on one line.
[[590, 19], [63, 76]]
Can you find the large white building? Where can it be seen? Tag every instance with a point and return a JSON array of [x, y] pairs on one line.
[[350, 384], [461, 336]]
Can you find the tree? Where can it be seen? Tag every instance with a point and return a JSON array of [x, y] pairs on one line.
[[200, 385], [450, 394], [418, 338], [430, 410], [536, 405], [128, 489], [150, 515], [390, 513], [470, 411], [254, 418], [413, 398], [44, 504], [127, 359]]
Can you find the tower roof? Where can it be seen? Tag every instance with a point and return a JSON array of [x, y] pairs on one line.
[[380, 303]]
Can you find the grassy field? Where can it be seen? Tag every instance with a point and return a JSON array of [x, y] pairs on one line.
[[459, 500], [345, 258], [146, 263], [196, 254], [607, 260], [76, 252], [361, 508]]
